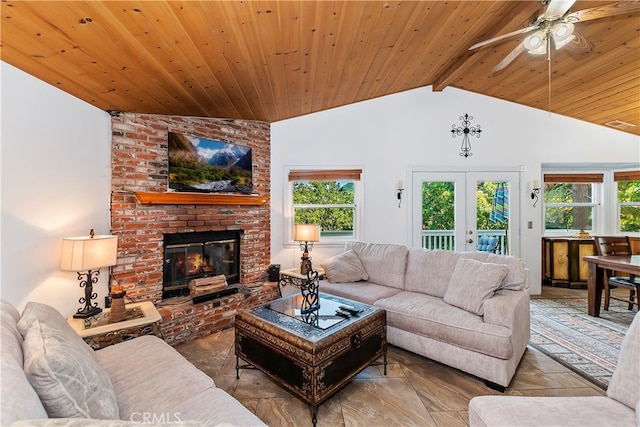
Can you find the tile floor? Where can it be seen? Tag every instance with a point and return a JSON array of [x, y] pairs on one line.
[[415, 392]]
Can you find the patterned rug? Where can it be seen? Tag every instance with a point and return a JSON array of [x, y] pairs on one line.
[[562, 329]]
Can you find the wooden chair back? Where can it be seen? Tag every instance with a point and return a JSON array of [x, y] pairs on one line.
[[613, 245]]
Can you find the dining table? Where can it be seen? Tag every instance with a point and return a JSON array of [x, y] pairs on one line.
[[597, 267]]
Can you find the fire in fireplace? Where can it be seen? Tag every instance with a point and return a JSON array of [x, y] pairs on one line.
[[189, 256]]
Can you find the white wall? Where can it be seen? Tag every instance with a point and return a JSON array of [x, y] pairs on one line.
[[55, 181], [393, 135]]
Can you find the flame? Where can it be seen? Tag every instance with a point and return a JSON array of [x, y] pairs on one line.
[[196, 263]]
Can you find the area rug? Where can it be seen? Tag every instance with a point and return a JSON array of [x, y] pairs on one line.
[[562, 329]]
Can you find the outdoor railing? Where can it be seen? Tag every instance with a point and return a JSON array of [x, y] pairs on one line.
[[445, 239]]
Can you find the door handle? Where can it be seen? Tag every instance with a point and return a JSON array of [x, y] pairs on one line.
[[470, 241]]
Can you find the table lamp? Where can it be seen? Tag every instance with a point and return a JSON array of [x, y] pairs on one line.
[[306, 234], [86, 255]]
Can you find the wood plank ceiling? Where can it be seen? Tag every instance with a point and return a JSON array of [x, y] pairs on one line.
[[273, 60]]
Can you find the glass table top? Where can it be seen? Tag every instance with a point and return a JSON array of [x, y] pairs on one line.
[[288, 314]]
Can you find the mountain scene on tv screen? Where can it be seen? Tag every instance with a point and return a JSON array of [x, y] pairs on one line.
[[208, 166]]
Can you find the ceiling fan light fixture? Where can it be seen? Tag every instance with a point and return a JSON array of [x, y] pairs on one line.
[[562, 31], [562, 34], [535, 43]]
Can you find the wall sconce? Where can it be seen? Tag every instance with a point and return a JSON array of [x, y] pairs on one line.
[[88, 253], [399, 190], [535, 192], [306, 234]]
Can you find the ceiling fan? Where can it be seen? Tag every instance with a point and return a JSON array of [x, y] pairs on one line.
[[557, 24]]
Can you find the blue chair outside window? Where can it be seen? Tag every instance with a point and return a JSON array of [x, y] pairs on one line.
[[487, 244]]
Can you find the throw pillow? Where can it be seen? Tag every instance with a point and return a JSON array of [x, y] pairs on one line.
[[343, 268], [69, 384], [48, 315], [472, 283], [623, 386]]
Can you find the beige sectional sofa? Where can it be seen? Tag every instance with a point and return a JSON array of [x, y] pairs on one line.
[[621, 406], [49, 376], [468, 310]]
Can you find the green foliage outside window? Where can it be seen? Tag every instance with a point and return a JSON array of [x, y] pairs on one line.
[[629, 200], [331, 204], [438, 206], [569, 206]]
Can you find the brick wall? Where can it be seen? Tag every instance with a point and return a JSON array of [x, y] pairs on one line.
[[186, 321], [140, 164]]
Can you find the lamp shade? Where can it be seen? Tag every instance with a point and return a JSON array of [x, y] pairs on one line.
[[87, 253], [306, 232]]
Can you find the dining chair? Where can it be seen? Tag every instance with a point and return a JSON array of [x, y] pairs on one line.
[[617, 245]]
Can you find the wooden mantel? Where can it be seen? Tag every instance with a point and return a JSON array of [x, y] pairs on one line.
[[201, 199]]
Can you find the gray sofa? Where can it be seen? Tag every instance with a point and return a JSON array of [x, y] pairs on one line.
[[468, 310], [49, 376], [621, 406]]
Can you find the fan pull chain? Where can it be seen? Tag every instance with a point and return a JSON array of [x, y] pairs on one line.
[[549, 71]]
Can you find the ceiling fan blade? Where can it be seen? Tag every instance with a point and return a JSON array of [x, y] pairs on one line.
[[510, 57], [579, 46], [606, 10], [504, 36], [557, 9]]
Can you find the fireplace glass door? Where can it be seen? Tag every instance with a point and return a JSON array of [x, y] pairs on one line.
[[184, 262]]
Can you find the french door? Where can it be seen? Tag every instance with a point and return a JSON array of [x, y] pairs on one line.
[[452, 210]]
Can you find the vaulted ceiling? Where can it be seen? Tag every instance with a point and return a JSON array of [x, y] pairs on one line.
[[273, 60]]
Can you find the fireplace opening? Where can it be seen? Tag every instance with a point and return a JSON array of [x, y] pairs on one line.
[[189, 256]]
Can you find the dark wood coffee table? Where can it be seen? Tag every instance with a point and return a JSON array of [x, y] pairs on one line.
[[312, 355]]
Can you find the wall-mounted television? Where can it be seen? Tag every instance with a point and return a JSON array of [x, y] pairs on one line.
[[208, 166]]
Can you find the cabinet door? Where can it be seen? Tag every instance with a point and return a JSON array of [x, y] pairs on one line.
[[560, 259], [585, 248]]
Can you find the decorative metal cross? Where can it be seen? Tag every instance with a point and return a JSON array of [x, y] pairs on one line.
[[466, 130]]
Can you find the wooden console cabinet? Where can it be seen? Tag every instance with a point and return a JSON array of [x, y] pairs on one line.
[[562, 262]]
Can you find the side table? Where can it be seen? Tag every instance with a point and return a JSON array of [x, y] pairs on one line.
[[142, 319], [293, 277]]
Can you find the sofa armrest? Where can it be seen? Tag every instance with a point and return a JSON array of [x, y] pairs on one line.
[[508, 308], [511, 309]]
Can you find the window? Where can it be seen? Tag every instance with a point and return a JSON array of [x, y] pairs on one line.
[[328, 198], [570, 202], [628, 198]]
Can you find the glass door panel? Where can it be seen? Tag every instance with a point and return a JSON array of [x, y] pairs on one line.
[[437, 224], [460, 211]]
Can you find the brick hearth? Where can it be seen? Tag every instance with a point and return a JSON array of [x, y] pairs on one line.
[[140, 164], [184, 321]]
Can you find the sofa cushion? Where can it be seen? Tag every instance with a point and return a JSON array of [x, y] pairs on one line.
[[576, 411], [50, 316], [515, 278], [625, 382], [384, 263], [69, 383], [215, 404], [148, 375], [10, 337], [343, 268], [365, 292], [473, 282], [19, 400], [429, 316], [429, 271]]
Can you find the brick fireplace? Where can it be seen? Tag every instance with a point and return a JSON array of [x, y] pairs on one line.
[[139, 167]]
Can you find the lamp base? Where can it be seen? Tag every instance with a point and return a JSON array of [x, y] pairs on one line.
[[84, 313], [305, 264]]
